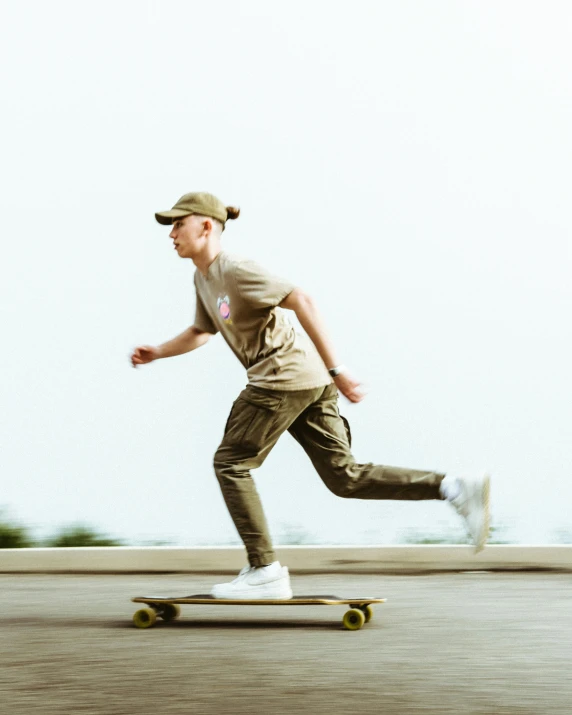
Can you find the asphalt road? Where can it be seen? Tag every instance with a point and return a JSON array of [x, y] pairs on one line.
[[454, 644]]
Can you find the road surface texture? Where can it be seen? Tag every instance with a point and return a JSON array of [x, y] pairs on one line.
[[476, 643]]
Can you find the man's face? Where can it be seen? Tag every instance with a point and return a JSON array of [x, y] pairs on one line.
[[189, 235]]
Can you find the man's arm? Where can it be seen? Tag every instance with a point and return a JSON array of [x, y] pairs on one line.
[[190, 339], [311, 320]]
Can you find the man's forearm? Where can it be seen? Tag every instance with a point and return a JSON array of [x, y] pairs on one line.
[[188, 340], [311, 320]]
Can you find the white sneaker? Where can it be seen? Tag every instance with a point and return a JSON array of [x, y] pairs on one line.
[[473, 504], [263, 583]]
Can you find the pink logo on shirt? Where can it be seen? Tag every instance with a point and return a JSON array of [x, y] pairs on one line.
[[224, 307]]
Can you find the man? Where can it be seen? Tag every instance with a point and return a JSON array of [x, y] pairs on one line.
[[293, 384]]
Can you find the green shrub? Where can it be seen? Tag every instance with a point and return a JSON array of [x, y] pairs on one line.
[[14, 536], [79, 535]]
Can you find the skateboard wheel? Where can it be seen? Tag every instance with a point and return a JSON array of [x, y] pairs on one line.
[[144, 618], [353, 619], [367, 612], [170, 612]]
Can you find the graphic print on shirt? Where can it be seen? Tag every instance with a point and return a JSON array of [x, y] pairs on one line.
[[223, 304]]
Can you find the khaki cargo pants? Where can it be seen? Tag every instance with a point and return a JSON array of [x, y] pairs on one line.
[[256, 421]]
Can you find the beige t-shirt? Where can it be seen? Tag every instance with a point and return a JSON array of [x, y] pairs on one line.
[[240, 299]]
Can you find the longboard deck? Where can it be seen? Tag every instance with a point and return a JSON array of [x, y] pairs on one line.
[[167, 608], [202, 598]]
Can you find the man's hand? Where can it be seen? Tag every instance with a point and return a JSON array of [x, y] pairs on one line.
[[349, 387], [190, 339], [144, 354]]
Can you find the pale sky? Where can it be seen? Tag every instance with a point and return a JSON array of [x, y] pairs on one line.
[[407, 163]]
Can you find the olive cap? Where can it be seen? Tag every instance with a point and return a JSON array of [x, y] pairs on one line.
[[198, 203]]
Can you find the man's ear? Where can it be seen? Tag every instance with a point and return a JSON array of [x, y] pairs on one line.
[[207, 225]]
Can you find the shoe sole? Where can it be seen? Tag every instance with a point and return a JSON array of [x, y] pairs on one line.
[[272, 592], [253, 596], [484, 535]]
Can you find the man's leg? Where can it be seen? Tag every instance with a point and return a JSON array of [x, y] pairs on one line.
[[324, 434], [256, 421]]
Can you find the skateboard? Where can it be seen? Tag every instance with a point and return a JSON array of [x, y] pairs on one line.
[[168, 609]]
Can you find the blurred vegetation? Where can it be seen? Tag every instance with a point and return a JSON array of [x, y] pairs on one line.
[[496, 536], [80, 535], [12, 535], [562, 536], [294, 534], [15, 536], [415, 536]]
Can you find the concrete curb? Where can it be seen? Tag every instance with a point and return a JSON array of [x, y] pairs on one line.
[[300, 559]]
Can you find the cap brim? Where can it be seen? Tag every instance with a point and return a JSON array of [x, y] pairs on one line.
[[167, 217]]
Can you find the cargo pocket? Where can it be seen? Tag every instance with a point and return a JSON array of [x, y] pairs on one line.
[[251, 419]]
